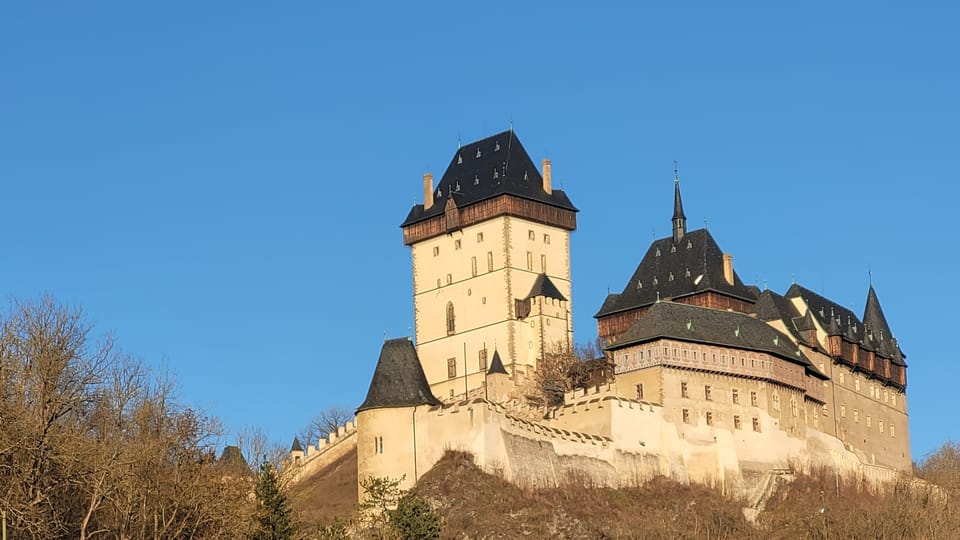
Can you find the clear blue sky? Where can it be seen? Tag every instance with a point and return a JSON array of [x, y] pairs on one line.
[[221, 183]]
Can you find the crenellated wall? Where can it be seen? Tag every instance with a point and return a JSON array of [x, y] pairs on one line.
[[327, 450]]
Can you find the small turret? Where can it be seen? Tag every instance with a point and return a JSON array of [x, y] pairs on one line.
[[296, 451], [498, 380], [679, 219]]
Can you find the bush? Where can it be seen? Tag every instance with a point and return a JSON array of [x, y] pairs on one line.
[[413, 519]]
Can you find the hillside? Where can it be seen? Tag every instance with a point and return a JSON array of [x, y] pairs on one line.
[[477, 505]]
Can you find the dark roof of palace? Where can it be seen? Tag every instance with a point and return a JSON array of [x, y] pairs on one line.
[[771, 306], [296, 447], [496, 365], [715, 327], [837, 320], [398, 380], [232, 458], [543, 286], [487, 168], [672, 270]]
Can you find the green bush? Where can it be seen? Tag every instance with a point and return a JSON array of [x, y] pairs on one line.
[[413, 519]]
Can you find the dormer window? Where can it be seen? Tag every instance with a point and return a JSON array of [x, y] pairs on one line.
[[525, 176], [439, 193], [496, 147], [671, 276], [658, 252], [476, 180], [689, 244], [673, 249], [478, 152], [459, 159], [496, 174]]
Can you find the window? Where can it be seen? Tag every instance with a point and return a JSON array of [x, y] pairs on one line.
[[776, 401], [530, 260], [639, 392], [841, 377], [546, 239], [683, 390], [753, 399], [881, 426], [449, 279], [686, 416], [489, 261], [543, 264], [709, 417], [856, 383], [893, 399], [736, 396], [736, 423], [531, 235], [707, 393], [451, 367], [378, 445], [483, 359], [473, 266], [843, 411], [869, 422], [756, 424], [893, 430], [451, 319], [436, 250], [479, 237], [456, 244], [856, 416]]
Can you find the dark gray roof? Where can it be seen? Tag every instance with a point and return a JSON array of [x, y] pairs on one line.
[[543, 286], [677, 202], [232, 458], [398, 380], [496, 365], [715, 327], [878, 331], [771, 306], [487, 168], [295, 447], [693, 265]]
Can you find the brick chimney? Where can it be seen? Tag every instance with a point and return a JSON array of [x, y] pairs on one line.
[[728, 268], [427, 191], [547, 185]]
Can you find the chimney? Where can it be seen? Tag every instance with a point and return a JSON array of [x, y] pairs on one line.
[[728, 268], [547, 186], [427, 191]]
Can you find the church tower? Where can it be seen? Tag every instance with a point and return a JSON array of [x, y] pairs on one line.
[[491, 266]]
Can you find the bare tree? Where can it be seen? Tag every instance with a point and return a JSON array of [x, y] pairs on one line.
[[324, 423]]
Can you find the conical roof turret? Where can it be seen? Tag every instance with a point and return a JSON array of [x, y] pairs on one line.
[[398, 380]]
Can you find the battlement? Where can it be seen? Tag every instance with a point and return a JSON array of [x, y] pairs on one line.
[[327, 450]]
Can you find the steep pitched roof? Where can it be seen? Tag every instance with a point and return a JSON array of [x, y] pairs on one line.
[[692, 265], [543, 286], [487, 168], [677, 202], [295, 447], [232, 459], [496, 365], [398, 380], [878, 330], [704, 325], [771, 306]]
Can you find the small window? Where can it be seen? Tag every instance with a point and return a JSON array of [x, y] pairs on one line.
[[489, 261], [881, 426], [869, 422], [756, 424], [530, 261], [451, 367], [707, 393], [451, 320], [439, 284], [856, 383], [843, 411], [639, 392], [709, 417], [546, 239], [683, 390], [893, 399], [473, 266], [456, 244], [736, 396], [436, 250], [893, 430], [449, 279], [378, 445], [483, 359], [736, 423], [686, 416], [479, 237], [753, 399], [543, 264], [531, 235], [841, 377], [856, 416]]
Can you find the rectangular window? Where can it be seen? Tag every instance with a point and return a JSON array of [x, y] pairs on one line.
[[530, 260], [436, 250], [736, 396], [843, 411], [707, 393], [881, 426], [483, 360], [489, 261], [736, 423], [473, 266], [378, 445], [683, 390], [451, 367], [893, 399], [856, 383], [841, 377], [869, 422], [893, 430], [686, 416], [753, 399], [709, 418], [639, 392], [856, 416], [449, 279], [456, 244], [756, 424], [531, 235], [543, 264], [546, 239], [479, 237]]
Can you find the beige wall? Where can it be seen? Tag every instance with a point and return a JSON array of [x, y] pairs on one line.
[[484, 303]]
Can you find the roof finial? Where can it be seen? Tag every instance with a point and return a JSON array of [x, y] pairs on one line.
[[869, 276], [793, 279], [676, 172]]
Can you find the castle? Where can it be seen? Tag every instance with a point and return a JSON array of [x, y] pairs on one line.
[[713, 380]]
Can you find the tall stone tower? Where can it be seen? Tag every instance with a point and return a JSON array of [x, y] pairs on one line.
[[491, 265]]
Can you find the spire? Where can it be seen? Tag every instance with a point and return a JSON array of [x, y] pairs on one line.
[[679, 219], [296, 447], [874, 320], [496, 365], [398, 380]]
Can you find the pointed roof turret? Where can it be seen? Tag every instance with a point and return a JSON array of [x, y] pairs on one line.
[[398, 380], [543, 286], [496, 365], [295, 447], [679, 218], [874, 319]]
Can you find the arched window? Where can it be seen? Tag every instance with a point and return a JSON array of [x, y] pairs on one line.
[[451, 319]]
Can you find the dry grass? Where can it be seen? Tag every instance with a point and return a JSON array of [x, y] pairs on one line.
[[330, 493]]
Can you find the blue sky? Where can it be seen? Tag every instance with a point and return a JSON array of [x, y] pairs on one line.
[[221, 183]]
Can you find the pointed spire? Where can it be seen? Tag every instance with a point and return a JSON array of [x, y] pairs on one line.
[[496, 365], [874, 319], [679, 219], [296, 447]]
